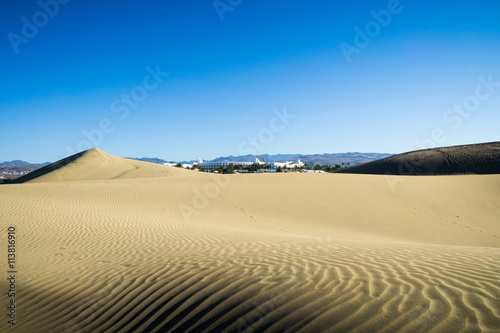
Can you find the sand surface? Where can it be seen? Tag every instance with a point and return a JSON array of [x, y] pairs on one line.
[[113, 245]]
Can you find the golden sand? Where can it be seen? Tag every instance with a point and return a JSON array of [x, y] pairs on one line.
[[106, 244]]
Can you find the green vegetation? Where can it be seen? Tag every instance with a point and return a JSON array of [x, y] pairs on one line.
[[329, 168]]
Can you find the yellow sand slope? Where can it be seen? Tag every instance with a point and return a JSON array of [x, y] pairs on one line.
[[158, 249], [94, 164]]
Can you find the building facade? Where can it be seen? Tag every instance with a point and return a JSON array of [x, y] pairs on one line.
[[287, 165], [214, 165]]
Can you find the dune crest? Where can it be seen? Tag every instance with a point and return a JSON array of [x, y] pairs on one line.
[[481, 159], [95, 164]]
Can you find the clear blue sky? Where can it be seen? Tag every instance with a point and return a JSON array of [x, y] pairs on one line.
[[227, 77]]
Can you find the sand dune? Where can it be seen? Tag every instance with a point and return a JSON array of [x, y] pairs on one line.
[[169, 250], [94, 164], [483, 158]]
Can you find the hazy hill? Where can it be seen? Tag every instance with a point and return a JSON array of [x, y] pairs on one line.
[[481, 158], [15, 163], [17, 168]]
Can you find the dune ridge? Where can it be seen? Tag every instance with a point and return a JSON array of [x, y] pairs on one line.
[[482, 158], [259, 253], [95, 164]]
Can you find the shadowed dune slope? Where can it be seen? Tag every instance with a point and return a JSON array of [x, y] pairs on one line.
[[94, 164], [481, 158], [192, 252]]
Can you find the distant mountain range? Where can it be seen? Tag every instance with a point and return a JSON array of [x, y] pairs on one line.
[[17, 168], [322, 159]]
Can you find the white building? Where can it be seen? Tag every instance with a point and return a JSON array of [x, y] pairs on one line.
[[184, 165], [287, 164], [214, 165]]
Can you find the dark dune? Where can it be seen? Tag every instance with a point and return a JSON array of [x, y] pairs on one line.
[[483, 158]]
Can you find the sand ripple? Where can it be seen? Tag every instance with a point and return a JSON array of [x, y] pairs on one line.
[[117, 257]]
